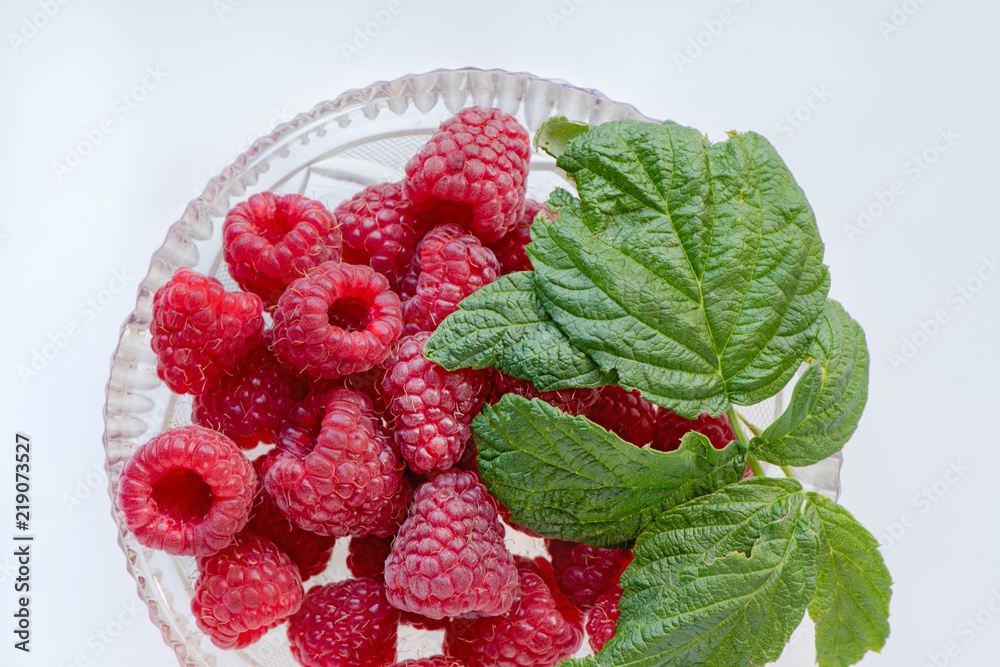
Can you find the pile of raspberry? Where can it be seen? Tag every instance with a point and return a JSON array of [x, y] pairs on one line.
[[316, 417]]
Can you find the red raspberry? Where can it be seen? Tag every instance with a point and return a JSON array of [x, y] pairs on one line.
[[200, 330], [625, 413], [381, 229], [310, 552], [570, 401], [472, 171], [584, 573], [187, 491], [449, 558], [510, 250], [244, 590], [453, 265], [339, 319], [602, 618], [366, 556], [346, 624], [433, 661], [250, 404], [670, 427], [433, 407], [349, 482], [541, 629], [270, 240]]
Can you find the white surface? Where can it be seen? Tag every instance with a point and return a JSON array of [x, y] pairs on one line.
[[218, 73]]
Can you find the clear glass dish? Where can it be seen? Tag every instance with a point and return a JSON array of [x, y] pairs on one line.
[[362, 137]]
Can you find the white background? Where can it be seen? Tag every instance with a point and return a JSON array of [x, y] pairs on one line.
[[875, 87]]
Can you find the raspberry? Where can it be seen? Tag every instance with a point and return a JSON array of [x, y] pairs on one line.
[[570, 401], [200, 330], [449, 558], [339, 319], [472, 171], [187, 491], [433, 407], [310, 552], [381, 229], [346, 624], [250, 404], [602, 618], [366, 556], [244, 590], [349, 483], [670, 427], [541, 629], [453, 265], [583, 572], [625, 413], [270, 240], [433, 661], [510, 250]]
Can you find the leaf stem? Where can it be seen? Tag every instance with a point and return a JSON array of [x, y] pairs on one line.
[[753, 429], [734, 421], [789, 471]]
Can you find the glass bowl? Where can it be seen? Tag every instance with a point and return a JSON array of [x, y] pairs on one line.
[[362, 137]]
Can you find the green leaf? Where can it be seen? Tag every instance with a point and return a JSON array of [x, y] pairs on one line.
[[566, 477], [693, 270], [556, 133], [702, 592], [851, 604], [504, 325], [828, 399]]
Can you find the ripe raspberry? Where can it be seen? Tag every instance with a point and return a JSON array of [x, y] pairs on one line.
[[349, 482], [625, 413], [433, 661], [602, 618], [339, 319], [200, 330], [570, 401], [432, 407], [670, 427], [453, 265], [449, 558], [346, 624], [541, 629], [366, 557], [472, 171], [381, 229], [187, 491], [244, 590], [310, 552], [251, 403], [270, 240], [584, 573], [510, 250]]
